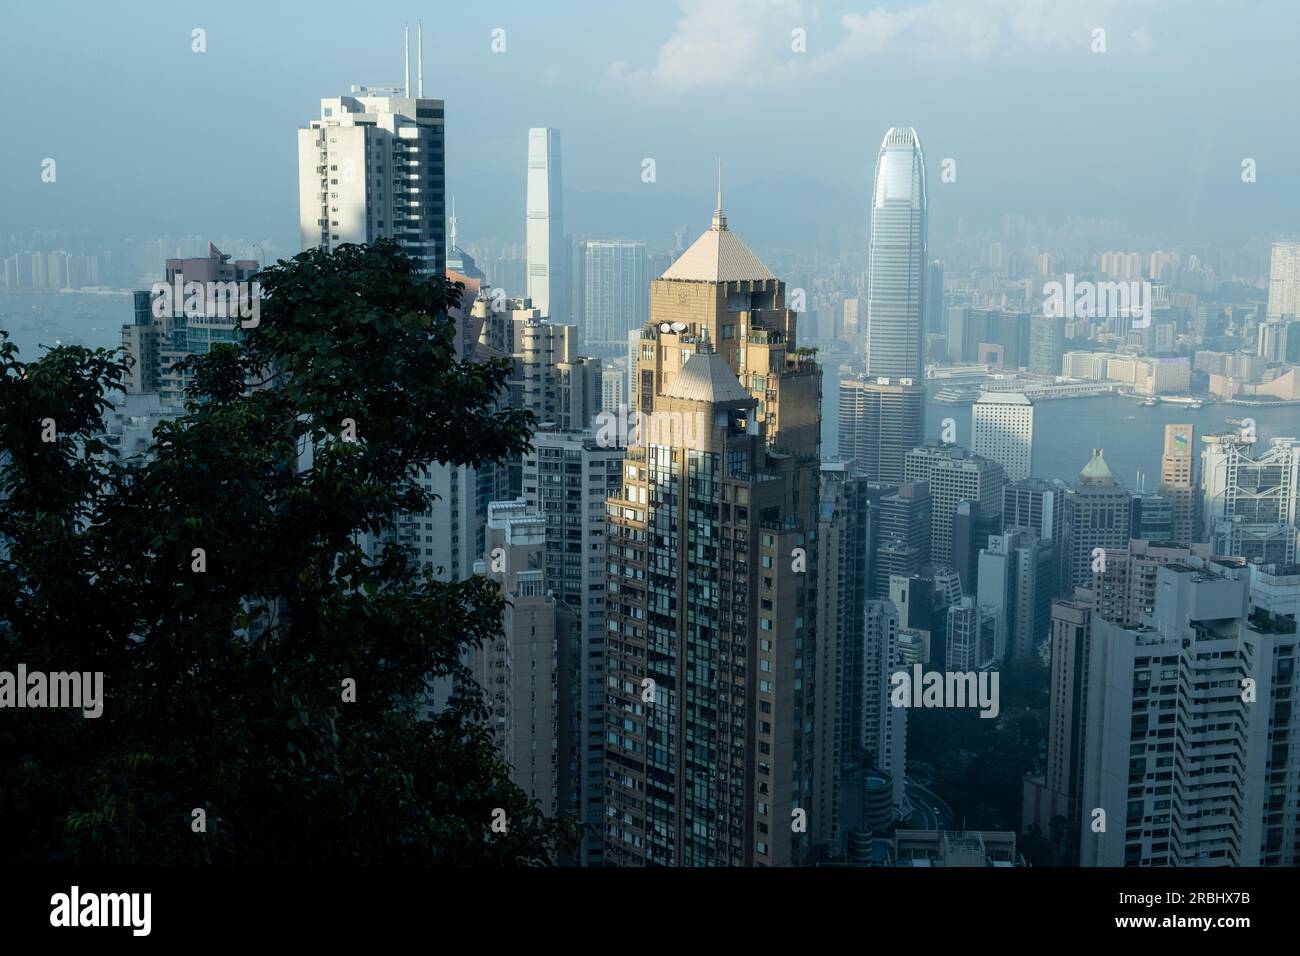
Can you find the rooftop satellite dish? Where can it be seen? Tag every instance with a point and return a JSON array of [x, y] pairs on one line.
[[679, 326], [665, 327]]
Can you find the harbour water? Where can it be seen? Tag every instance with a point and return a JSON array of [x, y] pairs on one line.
[[1066, 430]]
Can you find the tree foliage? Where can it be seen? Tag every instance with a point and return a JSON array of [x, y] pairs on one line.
[[223, 688]]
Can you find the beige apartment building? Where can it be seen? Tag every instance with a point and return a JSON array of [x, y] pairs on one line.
[[712, 562]]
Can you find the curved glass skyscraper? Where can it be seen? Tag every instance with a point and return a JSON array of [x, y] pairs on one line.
[[896, 267], [882, 414]]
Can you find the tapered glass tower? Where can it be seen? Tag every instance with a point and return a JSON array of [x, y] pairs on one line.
[[897, 264]]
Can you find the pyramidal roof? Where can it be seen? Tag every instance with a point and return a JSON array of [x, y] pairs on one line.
[[1097, 469], [707, 377], [718, 256]]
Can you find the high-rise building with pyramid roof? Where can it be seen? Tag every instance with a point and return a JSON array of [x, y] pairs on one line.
[[1097, 519], [712, 551]]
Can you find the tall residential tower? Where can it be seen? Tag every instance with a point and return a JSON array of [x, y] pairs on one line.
[[712, 563]]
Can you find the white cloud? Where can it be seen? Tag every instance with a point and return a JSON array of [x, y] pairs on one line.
[[723, 42], [726, 42]]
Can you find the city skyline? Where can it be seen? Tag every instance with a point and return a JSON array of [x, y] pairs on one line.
[[949, 518]]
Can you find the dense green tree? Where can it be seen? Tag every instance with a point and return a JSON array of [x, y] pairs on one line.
[[224, 687]]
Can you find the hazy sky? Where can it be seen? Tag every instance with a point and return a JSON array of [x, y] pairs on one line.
[[151, 138]]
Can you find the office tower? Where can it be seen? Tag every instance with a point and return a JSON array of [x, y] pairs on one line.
[[1002, 425], [567, 477], [844, 536], [1046, 344], [1190, 767], [524, 670], [972, 637], [1177, 482], [373, 167], [1098, 516], [712, 638], [1284, 281], [544, 227], [616, 294], [1151, 518], [155, 342], [971, 527], [954, 475], [903, 543], [896, 271], [1251, 500], [996, 337], [934, 318], [1015, 580], [1035, 504], [880, 422], [884, 727]]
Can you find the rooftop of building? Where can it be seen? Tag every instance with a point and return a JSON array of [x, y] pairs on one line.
[[718, 256], [1097, 470], [707, 377]]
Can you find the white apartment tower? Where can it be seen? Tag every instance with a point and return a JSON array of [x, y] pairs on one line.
[[1182, 755], [372, 167], [1003, 428]]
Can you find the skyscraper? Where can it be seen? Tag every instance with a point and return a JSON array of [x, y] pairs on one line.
[[525, 670], [1251, 500], [373, 167], [1036, 504], [882, 414], [616, 297], [544, 227], [1098, 516], [1015, 579], [1284, 281], [880, 422], [566, 479], [897, 260], [1046, 344], [903, 542], [954, 475], [712, 556], [1002, 424], [1177, 482]]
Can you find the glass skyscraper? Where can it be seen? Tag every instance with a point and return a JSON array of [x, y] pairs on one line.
[[897, 264]]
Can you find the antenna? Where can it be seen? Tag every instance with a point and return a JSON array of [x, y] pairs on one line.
[[406, 51], [719, 218], [419, 52]]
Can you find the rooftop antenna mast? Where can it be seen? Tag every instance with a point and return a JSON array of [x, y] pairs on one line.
[[419, 55], [406, 52], [719, 217]]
